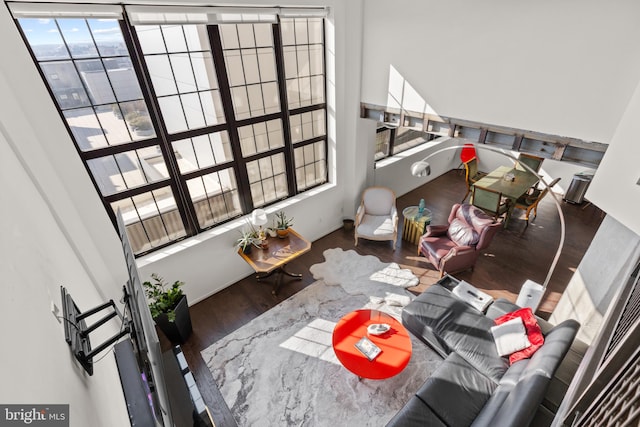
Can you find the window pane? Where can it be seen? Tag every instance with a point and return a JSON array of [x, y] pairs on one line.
[[235, 71], [193, 110], [212, 107], [95, 79], [161, 75], [250, 66], [151, 39], [310, 165], [174, 38], [245, 35], [108, 37], [304, 62], [301, 31], [197, 37], [44, 37], [191, 74], [229, 36], [171, 109], [240, 102], [261, 137], [267, 178], [152, 219], [202, 151], [271, 97], [215, 197], [316, 31], [316, 60], [254, 68], [65, 84], [78, 38], [127, 170], [204, 70], [317, 89], [256, 106], [181, 64]]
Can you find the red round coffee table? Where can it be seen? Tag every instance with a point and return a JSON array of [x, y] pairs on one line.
[[395, 345]]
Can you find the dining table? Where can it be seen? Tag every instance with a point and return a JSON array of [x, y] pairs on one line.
[[513, 189]]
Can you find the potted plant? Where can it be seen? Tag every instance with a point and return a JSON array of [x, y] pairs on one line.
[[282, 224], [169, 308], [248, 239]]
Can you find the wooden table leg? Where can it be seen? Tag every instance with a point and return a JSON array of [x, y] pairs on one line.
[[279, 272]]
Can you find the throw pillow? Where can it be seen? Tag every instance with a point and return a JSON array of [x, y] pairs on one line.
[[534, 334], [510, 336], [461, 234]]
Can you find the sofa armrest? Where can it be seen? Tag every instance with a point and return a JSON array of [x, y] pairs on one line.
[[522, 402]]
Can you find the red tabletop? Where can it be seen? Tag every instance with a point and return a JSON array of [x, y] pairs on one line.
[[395, 345]]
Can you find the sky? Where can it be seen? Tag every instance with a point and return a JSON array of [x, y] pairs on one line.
[[45, 31]]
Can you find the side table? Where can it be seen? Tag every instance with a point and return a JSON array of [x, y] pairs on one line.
[[273, 260], [414, 224]]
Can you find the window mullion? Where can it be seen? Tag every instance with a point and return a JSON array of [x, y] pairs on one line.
[[284, 111], [178, 185], [240, 165]]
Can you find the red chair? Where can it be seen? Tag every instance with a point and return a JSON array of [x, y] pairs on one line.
[[467, 153]]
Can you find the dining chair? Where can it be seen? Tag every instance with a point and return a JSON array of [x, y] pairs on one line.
[[491, 201], [534, 162], [529, 202], [471, 175]]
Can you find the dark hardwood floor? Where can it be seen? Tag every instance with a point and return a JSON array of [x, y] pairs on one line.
[[512, 257]]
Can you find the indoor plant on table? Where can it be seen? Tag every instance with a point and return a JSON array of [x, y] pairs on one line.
[[169, 308], [282, 224], [247, 239]]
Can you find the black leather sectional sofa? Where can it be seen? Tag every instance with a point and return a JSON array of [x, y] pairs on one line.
[[474, 386]]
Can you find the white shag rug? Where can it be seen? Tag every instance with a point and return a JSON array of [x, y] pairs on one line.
[[280, 368]]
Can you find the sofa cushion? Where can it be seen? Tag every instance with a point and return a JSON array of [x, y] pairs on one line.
[[448, 324], [415, 413], [456, 391]]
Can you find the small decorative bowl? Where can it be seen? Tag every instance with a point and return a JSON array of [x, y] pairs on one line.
[[378, 328]]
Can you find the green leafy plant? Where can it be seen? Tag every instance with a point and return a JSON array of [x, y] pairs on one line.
[[248, 238], [162, 297], [282, 222]]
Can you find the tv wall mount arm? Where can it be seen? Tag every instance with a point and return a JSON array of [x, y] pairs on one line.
[[76, 331]]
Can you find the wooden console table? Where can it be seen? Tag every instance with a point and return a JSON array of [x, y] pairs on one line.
[[274, 259]]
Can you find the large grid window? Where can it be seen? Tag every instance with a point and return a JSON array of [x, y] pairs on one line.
[[184, 126]]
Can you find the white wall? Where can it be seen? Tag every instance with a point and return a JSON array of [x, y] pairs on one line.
[[605, 267], [564, 68], [54, 233], [614, 187], [36, 259]]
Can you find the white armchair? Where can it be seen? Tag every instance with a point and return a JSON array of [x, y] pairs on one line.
[[377, 216]]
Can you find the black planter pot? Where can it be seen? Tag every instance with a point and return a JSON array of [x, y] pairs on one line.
[[179, 330]]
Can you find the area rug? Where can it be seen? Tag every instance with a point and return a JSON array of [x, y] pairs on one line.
[[280, 368]]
